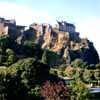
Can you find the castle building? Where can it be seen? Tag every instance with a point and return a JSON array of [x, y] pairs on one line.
[[7, 26], [66, 27], [70, 28]]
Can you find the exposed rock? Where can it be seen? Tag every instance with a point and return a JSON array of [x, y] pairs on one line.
[[66, 44], [61, 39]]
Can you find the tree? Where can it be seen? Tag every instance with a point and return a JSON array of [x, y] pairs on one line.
[[98, 66], [87, 75], [79, 63], [97, 75], [4, 41], [22, 77], [70, 71], [54, 91], [34, 93], [79, 91], [44, 57], [11, 59], [1, 51], [1, 59], [9, 52]]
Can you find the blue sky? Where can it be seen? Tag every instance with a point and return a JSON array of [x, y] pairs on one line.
[[74, 11], [83, 13]]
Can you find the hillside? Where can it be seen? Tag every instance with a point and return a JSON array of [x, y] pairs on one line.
[[35, 62]]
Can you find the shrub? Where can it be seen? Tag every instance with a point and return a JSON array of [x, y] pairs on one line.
[[9, 52], [34, 93], [79, 91], [53, 71], [79, 63], [69, 71], [44, 57], [87, 75], [54, 91], [4, 41], [11, 59], [1, 51]]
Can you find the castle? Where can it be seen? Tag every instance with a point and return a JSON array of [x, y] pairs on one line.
[[61, 39]]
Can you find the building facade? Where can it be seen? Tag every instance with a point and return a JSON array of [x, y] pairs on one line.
[[66, 27], [7, 26]]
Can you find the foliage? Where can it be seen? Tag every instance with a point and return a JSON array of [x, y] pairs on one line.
[[1, 51], [34, 93], [8, 57], [98, 66], [79, 63], [31, 71], [11, 59], [22, 76], [28, 44], [53, 71], [44, 57], [9, 52], [79, 91], [87, 75], [4, 41], [54, 91], [53, 58], [1, 59], [69, 71], [74, 73], [97, 75]]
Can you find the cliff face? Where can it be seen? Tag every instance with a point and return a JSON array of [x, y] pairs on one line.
[[68, 46]]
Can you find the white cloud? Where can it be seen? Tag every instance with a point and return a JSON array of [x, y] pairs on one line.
[[22, 14], [91, 30]]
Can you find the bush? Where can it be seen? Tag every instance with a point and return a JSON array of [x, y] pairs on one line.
[[23, 76], [4, 41], [9, 52], [54, 91], [44, 57], [69, 72], [1, 51], [34, 93], [87, 75], [74, 73], [11, 59], [79, 91], [79, 63]]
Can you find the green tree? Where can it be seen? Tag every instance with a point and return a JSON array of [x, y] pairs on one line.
[[9, 52], [79, 63], [87, 75], [1, 51], [44, 57], [78, 74], [35, 93], [11, 59], [98, 66], [70, 71], [79, 91], [4, 41], [97, 75]]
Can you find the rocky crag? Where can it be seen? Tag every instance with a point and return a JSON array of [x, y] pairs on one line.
[[67, 44], [61, 39]]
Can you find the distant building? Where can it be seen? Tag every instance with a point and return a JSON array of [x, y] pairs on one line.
[[7, 26], [66, 27], [10, 27], [70, 28]]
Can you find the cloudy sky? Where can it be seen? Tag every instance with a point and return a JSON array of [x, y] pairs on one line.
[[83, 13]]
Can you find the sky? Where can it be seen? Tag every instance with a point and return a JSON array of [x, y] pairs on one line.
[[83, 13]]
